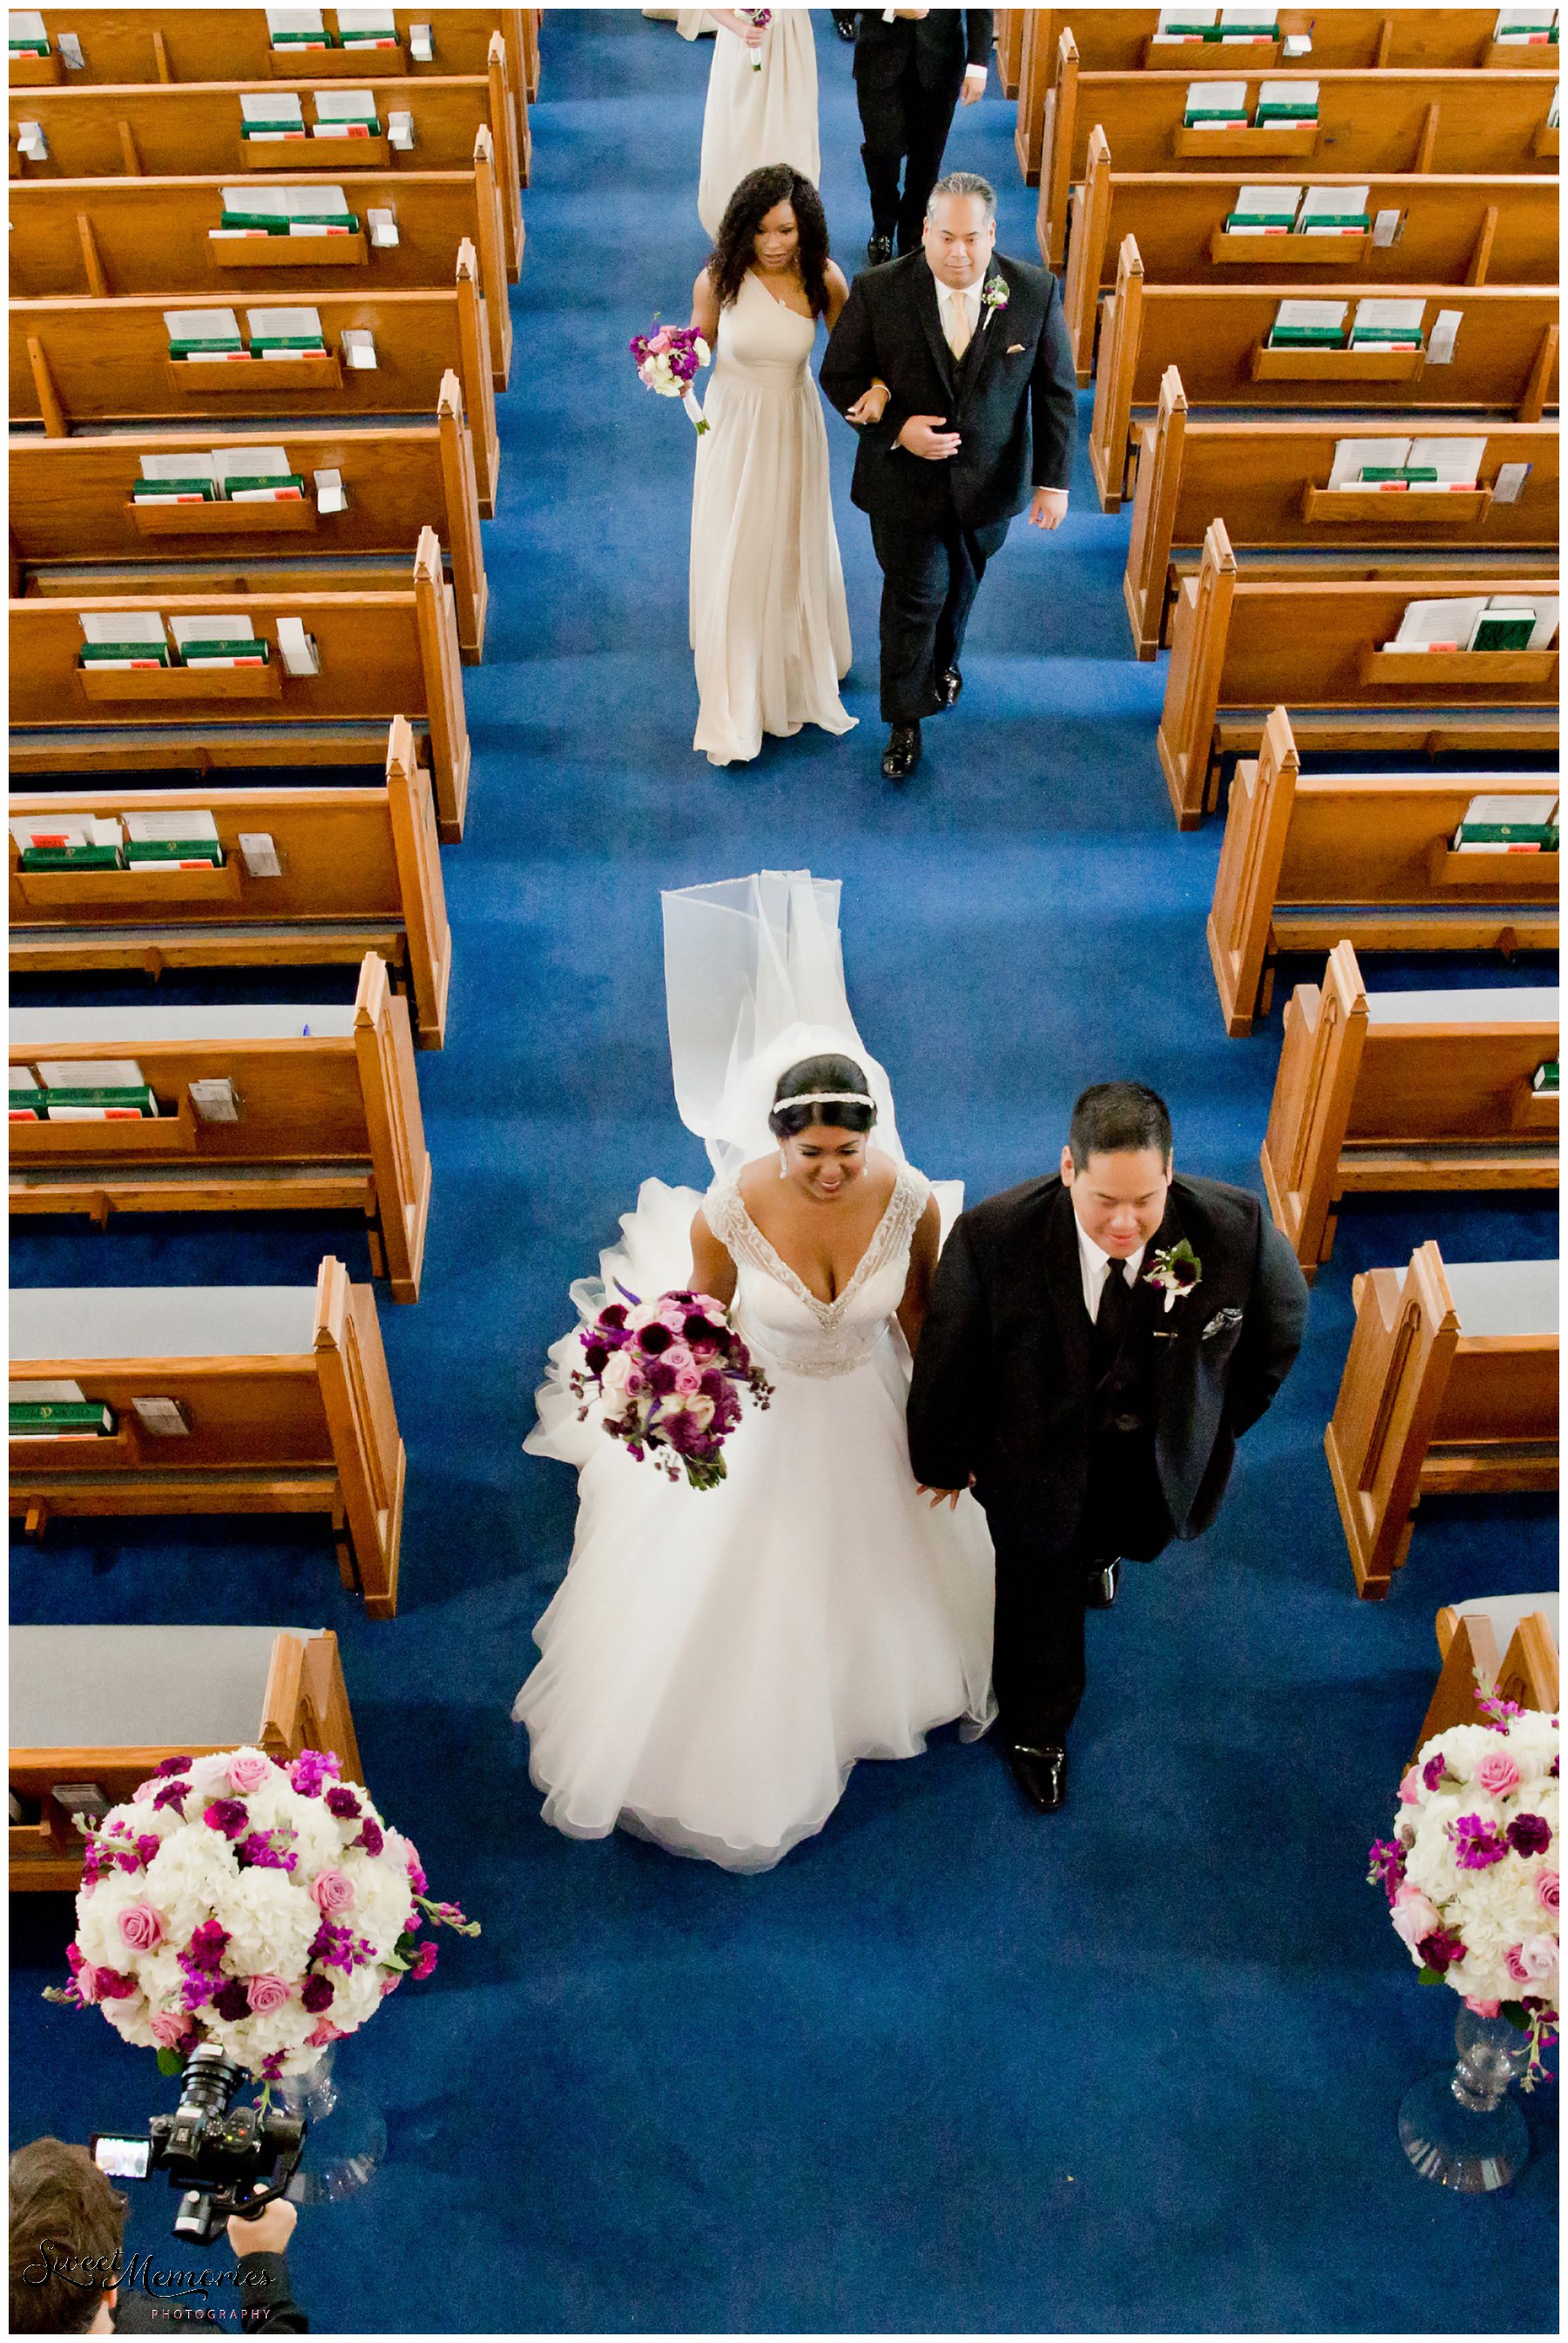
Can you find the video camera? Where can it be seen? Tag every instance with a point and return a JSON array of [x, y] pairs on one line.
[[226, 2159]]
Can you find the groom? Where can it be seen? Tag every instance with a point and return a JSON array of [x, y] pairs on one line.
[[955, 368], [1096, 1343]]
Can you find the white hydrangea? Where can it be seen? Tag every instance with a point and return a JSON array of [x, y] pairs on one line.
[[187, 1877], [381, 1897], [270, 1923], [357, 1997], [131, 2019], [98, 1911]]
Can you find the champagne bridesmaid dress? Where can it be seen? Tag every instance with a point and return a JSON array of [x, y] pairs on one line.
[[759, 115]]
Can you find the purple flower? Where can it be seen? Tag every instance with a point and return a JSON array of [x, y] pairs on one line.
[[228, 1815], [1476, 1842], [1433, 1772], [174, 1766], [272, 2065], [372, 1837], [1529, 1835], [310, 1769], [206, 1949], [231, 2001], [147, 1846], [316, 1993], [1441, 1949], [339, 1948], [422, 1962], [259, 1850], [173, 1793], [654, 1339], [113, 1984], [1387, 1862], [343, 1804]]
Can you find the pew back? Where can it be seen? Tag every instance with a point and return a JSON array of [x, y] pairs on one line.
[[205, 44]]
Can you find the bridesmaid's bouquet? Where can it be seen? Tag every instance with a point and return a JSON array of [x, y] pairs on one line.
[[667, 362], [762, 18], [671, 1374]]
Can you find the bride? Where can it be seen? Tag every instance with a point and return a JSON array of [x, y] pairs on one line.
[[769, 623], [716, 1661]]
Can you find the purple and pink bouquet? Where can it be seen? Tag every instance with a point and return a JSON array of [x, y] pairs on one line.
[[762, 18], [266, 1909], [671, 1375], [1470, 1874], [667, 362]]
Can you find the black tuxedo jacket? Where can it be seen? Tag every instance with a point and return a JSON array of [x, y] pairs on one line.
[[1002, 1382], [941, 44], [1013, 397]]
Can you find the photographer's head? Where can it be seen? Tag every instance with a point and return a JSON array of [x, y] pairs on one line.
[[67, 2226]]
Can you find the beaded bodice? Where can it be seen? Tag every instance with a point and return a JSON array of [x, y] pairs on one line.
[[786, 1325]]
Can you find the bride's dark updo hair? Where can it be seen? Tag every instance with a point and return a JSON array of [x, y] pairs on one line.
[[788, 1121], [749, 206]]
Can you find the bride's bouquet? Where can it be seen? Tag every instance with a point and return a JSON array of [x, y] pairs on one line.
[[667, 361], [1471, 1873], [265, 1909], [671, 1374]]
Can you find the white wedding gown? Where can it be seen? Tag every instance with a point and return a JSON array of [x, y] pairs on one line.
[[769, 621], [759, 114], [715, 1662]]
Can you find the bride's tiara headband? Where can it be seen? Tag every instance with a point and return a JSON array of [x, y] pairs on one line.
[[825, 1098]]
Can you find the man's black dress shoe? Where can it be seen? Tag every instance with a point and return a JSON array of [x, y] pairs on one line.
[[1041, 1775], [950, 683], [1100, 1593], [902, 754], [844, 23], [880, 251]]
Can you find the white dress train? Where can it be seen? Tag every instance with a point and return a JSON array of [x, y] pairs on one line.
[[759, 114], [769, 623]]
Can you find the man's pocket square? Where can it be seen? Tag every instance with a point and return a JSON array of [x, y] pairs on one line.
[[1221, 1324], [1014, 349]]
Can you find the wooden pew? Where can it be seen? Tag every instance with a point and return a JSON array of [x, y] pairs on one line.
[[1240, 643], [1405, 1091], [1215, 336], [168, 131], [1365, 857], [1368, 124], [328, 1117], [71, 503], [1119, 40], [1453, 231], [360, 872], [1268, 477], [379, 655], [112, 238], [1469, 1636], [1450, 1390], [284, 1389], [81, 363], [94, 1711]]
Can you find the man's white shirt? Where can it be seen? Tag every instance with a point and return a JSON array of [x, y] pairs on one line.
[[1096, 1266]]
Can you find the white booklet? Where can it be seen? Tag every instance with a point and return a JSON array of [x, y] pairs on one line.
[[1321, 204], [202, 325], [1387, 325], [123, 627], [80, 828], [1352, 456], [1274, 201], [1447, 625], [1487, 813], [1457, 461], [1224, 101], [162, 828], [277, 111]]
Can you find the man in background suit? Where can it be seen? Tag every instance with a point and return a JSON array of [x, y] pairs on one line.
[[1096, 1343], [953, 364], [913, 66]]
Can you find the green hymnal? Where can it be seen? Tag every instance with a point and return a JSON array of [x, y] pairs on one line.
[[174, 849], [113, 653], [47, 1415], [85, 857], [1498, 631], [145, 491], [1545, 1077]]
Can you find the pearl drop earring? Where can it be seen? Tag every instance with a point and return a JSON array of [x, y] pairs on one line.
[[783, 1165]]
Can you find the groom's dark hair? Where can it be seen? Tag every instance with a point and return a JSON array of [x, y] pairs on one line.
[[1119, 1119]]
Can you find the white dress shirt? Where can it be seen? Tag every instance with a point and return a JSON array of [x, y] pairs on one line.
[[1096, 1267], [960, 315]]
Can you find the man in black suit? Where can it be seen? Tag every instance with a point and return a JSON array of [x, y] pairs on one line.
[[954, 366], [1096, 1343], [913, 66]]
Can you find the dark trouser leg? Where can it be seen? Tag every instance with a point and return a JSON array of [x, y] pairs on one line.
[[884, 121], [930, 114], [1037, 1661], [968, 550], [917, 578]]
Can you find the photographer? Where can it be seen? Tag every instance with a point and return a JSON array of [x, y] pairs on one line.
[[67, 2271]]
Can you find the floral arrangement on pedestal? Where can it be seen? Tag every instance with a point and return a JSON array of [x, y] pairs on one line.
[[265, 1909], [1470, 1873], [671, 1374]]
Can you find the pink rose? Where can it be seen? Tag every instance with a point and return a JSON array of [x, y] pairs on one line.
[[265, 1993], [1537, 1959], [390, 1983], [677, 1357], [686, 1381], [1497, 1774], [87, 1981], [1515, 1966], [331, 1892], [1414, 1916], [1482, 2008], [1546, 1890], [170, 2028], [143, 1792], [140, 1927], [325, 2031], [247, 1774], [1410, 1788]]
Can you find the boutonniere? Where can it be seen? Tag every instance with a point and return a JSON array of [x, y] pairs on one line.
[[994, 297], [1176, 1272]]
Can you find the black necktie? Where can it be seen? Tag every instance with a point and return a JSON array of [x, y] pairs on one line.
[[1115, 1309]]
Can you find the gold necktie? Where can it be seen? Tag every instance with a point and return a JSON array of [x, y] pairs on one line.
[[959, 335]]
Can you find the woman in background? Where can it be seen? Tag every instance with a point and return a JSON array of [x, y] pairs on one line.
[[762, 104]]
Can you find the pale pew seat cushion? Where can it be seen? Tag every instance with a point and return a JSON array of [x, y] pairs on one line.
[[1503, 1298], [140, 1687], [1517, 1004], [162, 1321], [42, 1029]]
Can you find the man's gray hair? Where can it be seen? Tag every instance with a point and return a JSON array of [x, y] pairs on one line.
[[962, 184]]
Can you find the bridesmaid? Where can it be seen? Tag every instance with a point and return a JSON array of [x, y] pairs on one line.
[[762, 104], [769, 624]]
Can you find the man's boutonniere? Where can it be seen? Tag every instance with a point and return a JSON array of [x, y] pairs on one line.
[[1176, 1272], [993, 298]]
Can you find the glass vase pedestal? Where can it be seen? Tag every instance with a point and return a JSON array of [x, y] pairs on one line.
[[1461, 2129], [346, 2132]]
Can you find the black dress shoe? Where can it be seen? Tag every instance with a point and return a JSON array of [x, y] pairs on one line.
[[844, 23], [880, 251], [1041, 1775], [902, 754], [1100, 1593], [950, 683]]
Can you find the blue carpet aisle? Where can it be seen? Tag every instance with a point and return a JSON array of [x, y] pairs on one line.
[[949, 2067]]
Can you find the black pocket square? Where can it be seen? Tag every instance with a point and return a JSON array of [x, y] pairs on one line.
[[1221, 1324]]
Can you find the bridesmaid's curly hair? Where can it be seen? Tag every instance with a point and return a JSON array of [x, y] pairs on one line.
[[754, 198]]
